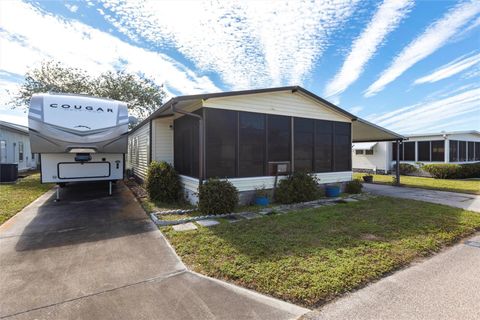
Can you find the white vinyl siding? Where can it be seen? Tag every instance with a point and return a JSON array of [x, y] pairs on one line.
[[279, 103], [14, 142], [379, 160], [190, 184], [162, 135], [138, 151]]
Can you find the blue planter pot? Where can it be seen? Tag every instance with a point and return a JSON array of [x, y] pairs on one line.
[[332, 191], [262, 201]]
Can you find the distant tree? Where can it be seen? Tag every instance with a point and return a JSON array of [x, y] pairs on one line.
[[141, 94]]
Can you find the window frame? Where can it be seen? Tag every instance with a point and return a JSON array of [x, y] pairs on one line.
[[21, 151]]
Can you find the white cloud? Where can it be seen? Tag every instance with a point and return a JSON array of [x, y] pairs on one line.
[[248, 43], [435, 36], [23, 46], [355, 110], [72, 7], [427, 115], [450, 69], [387, 17]]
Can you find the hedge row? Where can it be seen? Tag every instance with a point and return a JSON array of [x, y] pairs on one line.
[[453, 171]]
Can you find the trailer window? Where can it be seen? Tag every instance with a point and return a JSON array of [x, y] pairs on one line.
[[3, 151], [20, 151]]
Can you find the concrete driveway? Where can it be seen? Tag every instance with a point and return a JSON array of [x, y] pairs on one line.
[[91, 256], [453, 199]]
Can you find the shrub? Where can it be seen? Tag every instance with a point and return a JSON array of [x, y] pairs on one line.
[[217, 197], [354, 186], [163, 182], [442, 170], [469, 170], [453, 171], [297, 187], [406, 168]]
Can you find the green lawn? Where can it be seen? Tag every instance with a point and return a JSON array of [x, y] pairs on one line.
[[14, 197], [465, 186], [311, 256]]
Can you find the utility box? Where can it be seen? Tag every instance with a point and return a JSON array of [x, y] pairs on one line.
[[281, 168], [8, 172]]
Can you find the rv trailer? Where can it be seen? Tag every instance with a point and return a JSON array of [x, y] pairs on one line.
[[78, 137]]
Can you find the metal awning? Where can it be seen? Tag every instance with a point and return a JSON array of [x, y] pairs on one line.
[[364, 131], [363, 145]]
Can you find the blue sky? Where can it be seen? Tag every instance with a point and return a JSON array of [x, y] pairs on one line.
[[410, 66]]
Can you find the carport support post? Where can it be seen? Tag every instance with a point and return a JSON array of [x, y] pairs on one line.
[[397, 166], [110, 187]]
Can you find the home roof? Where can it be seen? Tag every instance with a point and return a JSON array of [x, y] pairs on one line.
[[14, 126], [442, 133], [362, 129]]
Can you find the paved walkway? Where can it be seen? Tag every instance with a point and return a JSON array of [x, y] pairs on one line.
[[453, 199], [446, 286], [91, 256]]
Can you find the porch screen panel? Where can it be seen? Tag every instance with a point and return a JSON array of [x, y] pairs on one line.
[[409, 151], [477, 151], [278, 138], [453, 150], [423, 150], [462, 151], [438, 150], [251, 144], [186, 146], [342, 158], [471, 151], [303, 144], [394, 151], [323, 146], [220, 143]]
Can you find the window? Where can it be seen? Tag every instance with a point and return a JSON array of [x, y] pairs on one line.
[[453, 150], [438, 150], [477, 151], [409, 151], [20, 151], [343, 144], [394, 151], [303, 144], [221, 143], [33, 156], [358, 152], [471, 151], [462, 151], [423, 150], [251, 144], [369, 152], [323, 145], [185, 139], [278, 130], [3, 151]]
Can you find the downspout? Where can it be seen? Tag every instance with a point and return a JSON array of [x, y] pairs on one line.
[[201, 146]]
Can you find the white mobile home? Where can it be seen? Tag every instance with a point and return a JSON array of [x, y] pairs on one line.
[[444, 147], [15, 146], [250, 136]]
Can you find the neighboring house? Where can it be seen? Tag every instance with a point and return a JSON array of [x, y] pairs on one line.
[[443, 147], [248, 136], [15, 146]]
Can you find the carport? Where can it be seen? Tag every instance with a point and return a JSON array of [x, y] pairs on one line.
[[364, 131]]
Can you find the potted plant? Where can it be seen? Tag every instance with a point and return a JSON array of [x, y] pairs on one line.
[[332, 190], [261, 196], [368, 178]]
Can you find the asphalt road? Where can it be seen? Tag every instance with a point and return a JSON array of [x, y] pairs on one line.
[[91, 256]]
